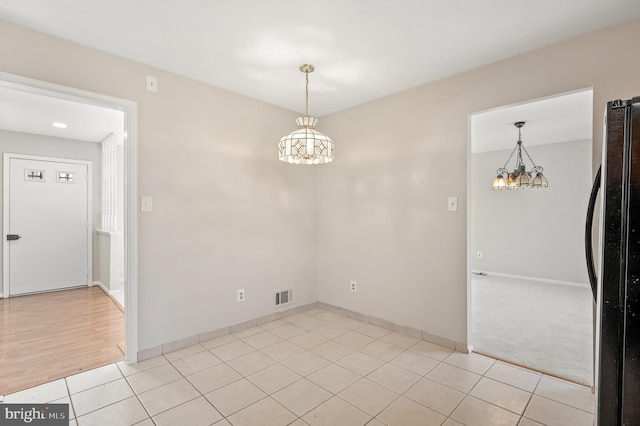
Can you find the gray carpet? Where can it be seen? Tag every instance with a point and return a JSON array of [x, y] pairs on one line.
[[544, 326]]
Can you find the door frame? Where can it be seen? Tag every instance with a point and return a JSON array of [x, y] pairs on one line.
[[470, 254], [5, 211], [129, 108]]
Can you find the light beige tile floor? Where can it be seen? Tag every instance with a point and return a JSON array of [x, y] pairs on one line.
[[316, 368]]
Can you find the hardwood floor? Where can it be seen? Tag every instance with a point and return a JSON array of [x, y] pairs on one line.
[[44, 337]]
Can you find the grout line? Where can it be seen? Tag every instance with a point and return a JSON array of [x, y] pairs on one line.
[[360, 377], [533, 369], [143, 406], [105, 406], [182, 376], [524, 410], [66, 384], [562, 403]]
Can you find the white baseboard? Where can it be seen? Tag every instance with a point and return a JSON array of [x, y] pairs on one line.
[[99, 284], [109, 293], [102, 286], [522, 277]]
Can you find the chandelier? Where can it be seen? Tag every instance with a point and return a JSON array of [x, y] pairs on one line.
[[306, 145], [520, 177]]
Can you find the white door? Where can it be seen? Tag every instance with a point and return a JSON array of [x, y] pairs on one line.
[[48, 225]]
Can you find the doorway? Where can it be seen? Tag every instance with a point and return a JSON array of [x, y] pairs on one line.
[[75, 98], [530, 302], [47, 215]]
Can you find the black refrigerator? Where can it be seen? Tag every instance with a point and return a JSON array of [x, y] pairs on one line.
[[616, 284]]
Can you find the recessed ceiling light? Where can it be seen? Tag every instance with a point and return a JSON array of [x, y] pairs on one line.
[[59, 125]]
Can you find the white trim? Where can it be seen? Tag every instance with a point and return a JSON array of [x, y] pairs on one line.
[[38, 87], [130, 228], [110, 233], [469, 218], [8, 156], [16, 82], [109, 293], [522, 277], [99, 284], [108, 209], [5, 228]]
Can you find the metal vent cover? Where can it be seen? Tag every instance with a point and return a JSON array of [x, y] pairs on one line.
[[284, 297]]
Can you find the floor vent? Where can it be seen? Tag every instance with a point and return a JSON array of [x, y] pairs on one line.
[[284, 297]]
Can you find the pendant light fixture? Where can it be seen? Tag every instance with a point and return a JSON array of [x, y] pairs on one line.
[[306, 145], [520, 177]]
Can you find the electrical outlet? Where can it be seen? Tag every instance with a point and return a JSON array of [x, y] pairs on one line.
[[479, 255], [353, 287], [240, 295]]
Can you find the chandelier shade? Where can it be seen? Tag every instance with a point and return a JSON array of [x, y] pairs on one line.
[[306, 145], [519, 178], [540, 181]]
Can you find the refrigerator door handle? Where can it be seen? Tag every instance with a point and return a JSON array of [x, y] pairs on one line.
[[588, 234]]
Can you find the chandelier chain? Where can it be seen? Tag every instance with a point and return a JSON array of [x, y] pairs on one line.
[[529, 157], [306, 91], [510, 157]]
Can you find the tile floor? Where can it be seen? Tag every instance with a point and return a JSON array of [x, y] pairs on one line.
[[316, 368]]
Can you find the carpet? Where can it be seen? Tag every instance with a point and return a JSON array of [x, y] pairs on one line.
[[547, 327]]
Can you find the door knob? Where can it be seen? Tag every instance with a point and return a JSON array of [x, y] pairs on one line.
[[11, 237]]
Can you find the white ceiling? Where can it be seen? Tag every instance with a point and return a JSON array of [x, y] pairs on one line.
[[22, 111], [362, 50], [564, 118]]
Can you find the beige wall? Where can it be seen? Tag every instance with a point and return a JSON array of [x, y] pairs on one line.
[[382, 206], [227, 214]]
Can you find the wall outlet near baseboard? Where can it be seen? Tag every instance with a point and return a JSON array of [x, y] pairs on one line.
[[240, 295], [353, 287]]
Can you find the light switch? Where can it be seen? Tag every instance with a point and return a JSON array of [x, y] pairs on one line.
[[453, 204], [146, 204], [152, 84]]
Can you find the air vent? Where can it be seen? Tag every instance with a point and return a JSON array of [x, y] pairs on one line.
[[284, 298]]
